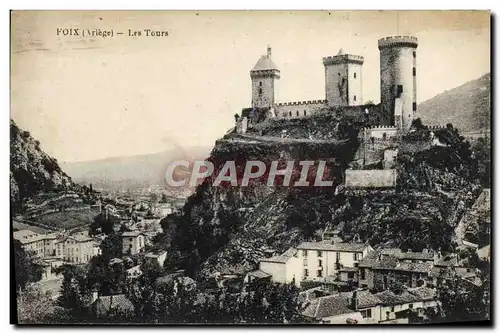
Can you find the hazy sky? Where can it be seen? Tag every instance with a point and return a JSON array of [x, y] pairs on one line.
[[87, 98]]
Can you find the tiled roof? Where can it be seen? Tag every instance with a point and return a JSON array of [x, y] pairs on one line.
[[389, 298], [446, 261], [407, 255], [258, 274], [115, 302], [283, 258], [365, 298], [264, 63], [348, 269], [415, 267], [370, 259], [338, 247], [423, 293], [326, 307]]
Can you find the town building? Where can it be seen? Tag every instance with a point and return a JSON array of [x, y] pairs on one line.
[[284, 268], [76, 248], [133, 242], [158, 257], [318, 260], [364, 307]]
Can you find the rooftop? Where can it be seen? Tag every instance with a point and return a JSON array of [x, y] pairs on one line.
[[326, 307], [338, 247], [283, 258]]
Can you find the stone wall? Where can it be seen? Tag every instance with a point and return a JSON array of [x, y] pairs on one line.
[[370, 178], [298, 109]]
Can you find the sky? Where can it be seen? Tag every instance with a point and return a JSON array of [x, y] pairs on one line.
[[87, 98]]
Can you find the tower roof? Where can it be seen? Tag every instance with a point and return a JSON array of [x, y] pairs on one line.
[[265, 62]]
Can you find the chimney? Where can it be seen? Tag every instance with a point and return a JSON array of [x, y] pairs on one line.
[[354, 301]]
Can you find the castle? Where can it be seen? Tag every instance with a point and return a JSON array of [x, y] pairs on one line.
[[344, 87]]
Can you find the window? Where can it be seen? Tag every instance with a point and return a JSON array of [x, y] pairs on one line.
[[399, 91], [305, 113], [354, 98], [306, 273], [392, 309], [338, 257], [305, 262], [320, 254], [355, 256], [130, 239], [367, 313], [260, 83], [260, 91], [363, 273], [290, 113], [320, 263], [414, 54], [414, 72], [297, 113], [320, 273], [284, 114], [410, 306], [414, 106], [350, 275], [304, 253], [354, 75], [339, 74]]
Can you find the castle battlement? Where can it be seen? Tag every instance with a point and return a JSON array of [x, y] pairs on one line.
[[297, 103], [392, 41], [381, 127], [265, 73], [436, 127], [342, 59]]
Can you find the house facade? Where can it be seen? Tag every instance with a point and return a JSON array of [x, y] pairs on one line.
[[318, 260], [133, 242]]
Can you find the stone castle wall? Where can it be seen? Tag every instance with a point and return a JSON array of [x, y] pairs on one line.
[[298, 109], [375, 178]]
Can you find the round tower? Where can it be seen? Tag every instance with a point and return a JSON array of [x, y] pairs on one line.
[[398, 79]]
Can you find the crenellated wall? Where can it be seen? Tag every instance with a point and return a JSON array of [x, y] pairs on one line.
[[298, 109]]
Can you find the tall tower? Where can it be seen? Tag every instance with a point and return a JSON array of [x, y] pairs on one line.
[[263, 75], [398, 79], [343, 79]]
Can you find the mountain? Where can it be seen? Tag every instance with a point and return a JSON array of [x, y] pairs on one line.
[[132, 171], [31, 169], [467, 107]]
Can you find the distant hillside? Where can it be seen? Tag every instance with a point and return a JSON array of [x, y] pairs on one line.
[[31, 169], [467, 107], [132, 171]]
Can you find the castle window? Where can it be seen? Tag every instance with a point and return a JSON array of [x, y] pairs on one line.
[[339, 74], [414, 54], [290, 113], [354, 75], [260, 83], [399, 91], [384, 136], [305, 113], [297, 113], [414, 72], [414, 106], [354, 98], [260, 91]]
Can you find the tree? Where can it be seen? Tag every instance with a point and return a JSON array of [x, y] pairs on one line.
[[26, 269], [462, 300], [33, 307]]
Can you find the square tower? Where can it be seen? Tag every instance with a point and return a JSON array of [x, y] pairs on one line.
[[343, 79], [263, 75]]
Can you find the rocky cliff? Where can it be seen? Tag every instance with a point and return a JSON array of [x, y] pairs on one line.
[[31, 169], [226, 229]]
